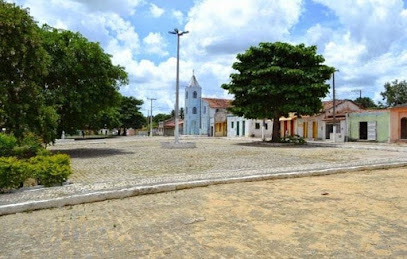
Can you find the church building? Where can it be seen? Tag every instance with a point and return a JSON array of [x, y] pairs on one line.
[[204, 116]]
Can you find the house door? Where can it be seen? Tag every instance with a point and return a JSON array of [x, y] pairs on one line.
[[314, 129], [363, 130], [305, 129], [328, 130], [237, 128], [292, 127], [285, 129], [403, 127], [243, 128]]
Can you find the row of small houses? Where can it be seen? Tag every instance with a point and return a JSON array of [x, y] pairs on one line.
[[353, 124]]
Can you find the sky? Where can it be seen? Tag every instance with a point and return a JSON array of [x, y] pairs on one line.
[[365, 40]]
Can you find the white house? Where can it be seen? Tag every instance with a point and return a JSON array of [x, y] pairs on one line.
[[242, 127]]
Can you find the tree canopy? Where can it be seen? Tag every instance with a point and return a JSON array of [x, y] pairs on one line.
[[130, 115], [274, 79], [395, 93], [82, 81], [161, 117], [52, 79], [23, 62], [365, 102]]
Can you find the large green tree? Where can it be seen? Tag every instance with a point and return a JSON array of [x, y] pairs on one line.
[[82, 81], [274, 79], [23, 63], [395, 93]]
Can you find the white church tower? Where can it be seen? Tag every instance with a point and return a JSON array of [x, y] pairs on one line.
[[192, 111]]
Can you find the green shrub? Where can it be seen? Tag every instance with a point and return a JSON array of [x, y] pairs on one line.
[[296, 139], [23, 152], [51, 170], [31, 145], [12, 172], [7, 143], [43, 152]]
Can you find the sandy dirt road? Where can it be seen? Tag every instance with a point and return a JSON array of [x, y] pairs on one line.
[[352, 215]]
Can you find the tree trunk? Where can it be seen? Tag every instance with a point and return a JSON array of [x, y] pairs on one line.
[[276, 128]]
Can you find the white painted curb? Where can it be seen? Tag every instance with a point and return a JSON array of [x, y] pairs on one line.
[[167, 187]]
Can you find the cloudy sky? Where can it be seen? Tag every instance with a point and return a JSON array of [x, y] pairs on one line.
[[365, 39]]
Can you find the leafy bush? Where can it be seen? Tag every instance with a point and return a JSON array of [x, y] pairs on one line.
[[51, 170], [30, 145], [7, 143], [12, 172]]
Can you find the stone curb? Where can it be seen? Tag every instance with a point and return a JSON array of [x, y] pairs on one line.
[[168, 187], [338, 145]]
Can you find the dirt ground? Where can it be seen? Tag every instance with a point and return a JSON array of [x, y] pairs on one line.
[[352, 215]]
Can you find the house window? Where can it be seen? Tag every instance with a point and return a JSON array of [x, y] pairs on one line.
[[186, 95], [195, 94], [266, 126], [232, 125], [194, 110], [204, 109], [257, 126], [186, 110]]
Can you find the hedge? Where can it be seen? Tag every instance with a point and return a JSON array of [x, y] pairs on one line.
[[48, 170], [12, 172], [51, 170]]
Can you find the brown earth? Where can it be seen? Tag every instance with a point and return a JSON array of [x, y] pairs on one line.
[[353, 215]]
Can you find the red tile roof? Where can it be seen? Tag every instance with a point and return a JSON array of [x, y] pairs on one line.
[[218, 103], [326, 105], [170, 123]]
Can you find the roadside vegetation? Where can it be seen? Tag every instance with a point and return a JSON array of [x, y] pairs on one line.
[[27, 161]]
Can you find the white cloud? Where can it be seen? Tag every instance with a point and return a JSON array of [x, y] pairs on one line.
[[156, 11], [241, 24], [155, 44], [122, 7], [377, 23], [178, 15], [368, 47]]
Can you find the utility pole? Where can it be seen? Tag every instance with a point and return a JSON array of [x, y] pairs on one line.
[[151, 117], [176, 131], [360, 92], [333, 107]]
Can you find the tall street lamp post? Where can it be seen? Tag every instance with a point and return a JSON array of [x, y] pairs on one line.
[[176, 131]]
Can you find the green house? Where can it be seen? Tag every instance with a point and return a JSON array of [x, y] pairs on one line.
[[371, 125]]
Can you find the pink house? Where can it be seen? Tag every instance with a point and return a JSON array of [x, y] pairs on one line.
[[398, 123]]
